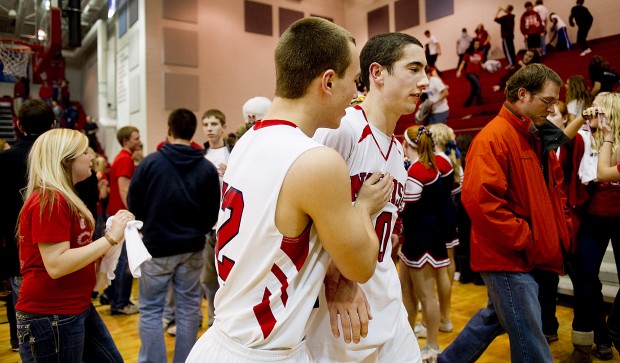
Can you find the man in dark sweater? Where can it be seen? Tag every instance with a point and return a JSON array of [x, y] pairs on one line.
[[34, 118], [176, 193], [507, 24]]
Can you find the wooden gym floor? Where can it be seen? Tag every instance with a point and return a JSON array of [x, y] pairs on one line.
[[466, 300]]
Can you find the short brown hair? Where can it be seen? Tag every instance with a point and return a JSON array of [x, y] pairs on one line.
[[215, 113], [309, 47], [124, 133], [533, 78]]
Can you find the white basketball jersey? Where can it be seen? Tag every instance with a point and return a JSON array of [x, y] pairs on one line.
[[367, 150], [269, 283]]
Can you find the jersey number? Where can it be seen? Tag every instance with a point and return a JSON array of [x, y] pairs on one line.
[[383, 228], [232, 199]]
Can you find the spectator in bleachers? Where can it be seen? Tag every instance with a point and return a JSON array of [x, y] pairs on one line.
[[532, 27], [577, 96], [472, 64], [437, 93], [558, 30], [462, 44], [581, 15], [482, 35], [46, 92], [543, 12], [432, 50], [65, 95], [602, 76], [507, 28], [21, 93], [530, 56]]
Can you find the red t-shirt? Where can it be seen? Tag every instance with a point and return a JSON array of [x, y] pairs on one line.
[[121, 166], [474, 62], [39, 293]]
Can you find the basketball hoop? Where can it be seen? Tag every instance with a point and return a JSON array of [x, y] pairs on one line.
[[14, 57]]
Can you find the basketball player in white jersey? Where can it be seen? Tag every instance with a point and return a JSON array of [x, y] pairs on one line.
[[282, 193], [393, 70]]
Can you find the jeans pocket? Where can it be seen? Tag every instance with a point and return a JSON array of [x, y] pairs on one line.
[[38, 338]]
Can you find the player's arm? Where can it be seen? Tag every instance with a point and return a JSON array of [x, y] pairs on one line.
[[318, 185]]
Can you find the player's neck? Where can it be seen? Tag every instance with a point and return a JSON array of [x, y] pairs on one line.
[[302, 112], [379, 114]]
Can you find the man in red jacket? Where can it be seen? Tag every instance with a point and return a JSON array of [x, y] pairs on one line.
[[513, 194]]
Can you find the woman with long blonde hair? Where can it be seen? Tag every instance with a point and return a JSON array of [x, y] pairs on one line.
[[56, 320], [599, 221], [423, 254]]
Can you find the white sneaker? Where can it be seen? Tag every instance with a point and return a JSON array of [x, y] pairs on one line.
[[420, 331], [586, 52], [429, 353], [446, 327]]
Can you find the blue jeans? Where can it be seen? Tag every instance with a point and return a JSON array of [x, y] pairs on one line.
[[208, 278], [513, 307], [184, 272], [592, 240], [438, 118], [119, 291], [475, 93], [65, 338]]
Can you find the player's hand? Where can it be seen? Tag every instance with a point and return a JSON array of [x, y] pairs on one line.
[[221, 169], [348, 301], [375, 192]]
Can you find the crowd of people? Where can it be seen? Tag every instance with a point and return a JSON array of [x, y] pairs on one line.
[[241, 221]]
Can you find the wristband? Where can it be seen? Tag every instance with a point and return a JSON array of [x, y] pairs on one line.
[[110, 240]]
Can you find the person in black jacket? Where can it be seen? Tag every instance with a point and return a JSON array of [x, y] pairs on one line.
[[581, 15], [34, 118], [176, 193]]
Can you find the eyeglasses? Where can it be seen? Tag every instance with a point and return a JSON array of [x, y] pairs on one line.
[[548, 102]]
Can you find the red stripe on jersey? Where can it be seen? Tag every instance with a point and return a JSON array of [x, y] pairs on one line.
[[297, 248], [264, 315], [279, 274], [266, 123], [368, 131]]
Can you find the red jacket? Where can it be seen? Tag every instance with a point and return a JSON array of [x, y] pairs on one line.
[[518, 221]]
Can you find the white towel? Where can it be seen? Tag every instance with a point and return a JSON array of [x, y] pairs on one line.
[[136, 251]]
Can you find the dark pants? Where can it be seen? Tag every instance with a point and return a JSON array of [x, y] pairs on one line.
[[119, 291], [547, 297], [613, 322], [582, 35], [65, 338], [476, 92], [508, 45], [593, 238]]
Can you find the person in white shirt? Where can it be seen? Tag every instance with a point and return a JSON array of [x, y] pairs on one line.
[[433, 50], [544, 13], [437, 93], [559, 30], [217, 151], [462, 44]]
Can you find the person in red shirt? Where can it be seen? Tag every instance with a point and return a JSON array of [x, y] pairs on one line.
[[121, 171], [472, 64], [55, 318]]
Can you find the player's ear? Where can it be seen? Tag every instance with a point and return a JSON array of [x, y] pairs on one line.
[[327, 81], [376, 72]]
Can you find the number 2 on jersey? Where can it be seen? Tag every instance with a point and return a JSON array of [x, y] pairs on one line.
[[232, 199]]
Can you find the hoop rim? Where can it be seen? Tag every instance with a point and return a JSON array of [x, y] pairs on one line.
[[15, 46]]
